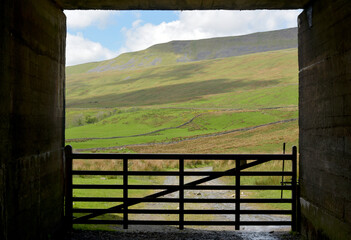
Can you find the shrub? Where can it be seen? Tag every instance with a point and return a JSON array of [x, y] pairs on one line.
[[90, 119]]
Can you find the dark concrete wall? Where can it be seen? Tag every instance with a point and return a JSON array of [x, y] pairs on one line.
[[32, 68], [182, 4], [325, 119]]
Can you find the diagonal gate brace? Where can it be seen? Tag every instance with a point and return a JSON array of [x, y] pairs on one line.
[[165, 192]]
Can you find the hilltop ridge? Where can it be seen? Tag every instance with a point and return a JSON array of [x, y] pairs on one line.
[[176, 52]]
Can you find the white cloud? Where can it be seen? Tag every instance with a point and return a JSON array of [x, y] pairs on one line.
[[83, 18], [206, 24], [80, 50]]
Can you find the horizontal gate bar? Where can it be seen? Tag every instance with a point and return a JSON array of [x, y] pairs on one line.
[[150, 173], [214, 223], [186, 200], [265, 223], [277, 212], [96, 186], [265, 187], [174, 211], [130, 173], [265, 173], [154, 222], [163, 156], [176, 173], [204, 187], [99, 173], [197, 187], [265, 200], [154, 211], [175, 200]]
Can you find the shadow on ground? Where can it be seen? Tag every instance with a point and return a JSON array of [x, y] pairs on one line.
[[172, 233]]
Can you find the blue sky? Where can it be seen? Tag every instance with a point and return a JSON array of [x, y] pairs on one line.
[[100, 35]]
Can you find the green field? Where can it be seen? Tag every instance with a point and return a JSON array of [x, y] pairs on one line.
[[127, 128]]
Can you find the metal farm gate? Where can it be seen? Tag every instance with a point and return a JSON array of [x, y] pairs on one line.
[[243, 162]]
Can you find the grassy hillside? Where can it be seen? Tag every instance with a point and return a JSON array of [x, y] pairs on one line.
[[267, 139], [208, 81], [138, 128], [153, 106], [239, 92], [188, 51]]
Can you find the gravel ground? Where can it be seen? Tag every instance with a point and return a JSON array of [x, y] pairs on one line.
[[180, 235]]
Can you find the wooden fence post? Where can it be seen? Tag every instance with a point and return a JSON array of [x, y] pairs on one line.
[[237, 194], [181, 194], [125, 193], [294, 189], [69, 190]]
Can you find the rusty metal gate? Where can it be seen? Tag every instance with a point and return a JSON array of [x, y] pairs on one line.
[[242, 162]]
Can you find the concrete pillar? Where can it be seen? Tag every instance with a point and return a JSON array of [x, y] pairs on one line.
[[32, 69], [325, 119]]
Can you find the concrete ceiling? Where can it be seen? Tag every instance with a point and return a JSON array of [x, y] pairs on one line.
[[181, 4]]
